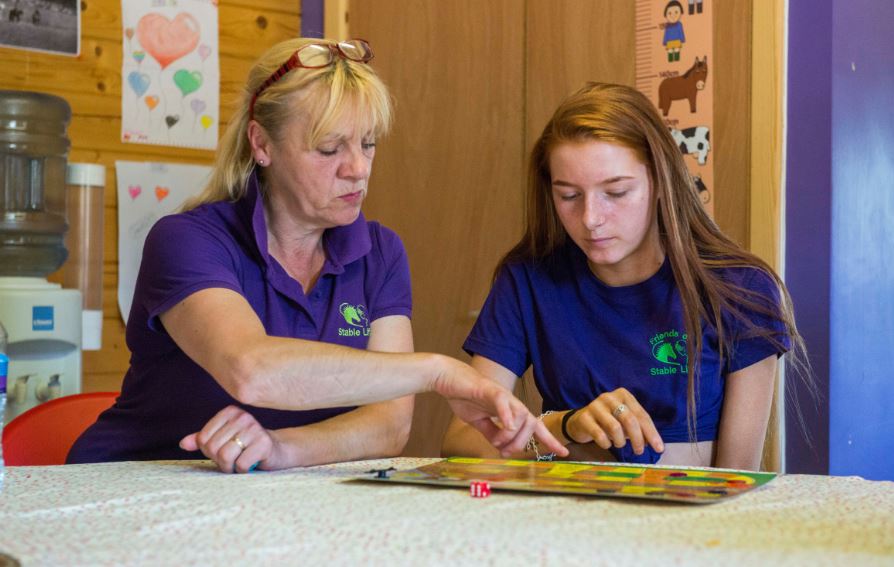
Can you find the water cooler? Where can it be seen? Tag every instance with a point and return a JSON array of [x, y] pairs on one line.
[[42, 319], [43, 322]]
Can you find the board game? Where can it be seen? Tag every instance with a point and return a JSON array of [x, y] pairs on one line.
[[676, 484]]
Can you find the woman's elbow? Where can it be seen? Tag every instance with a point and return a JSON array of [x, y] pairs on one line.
[[239, 375]]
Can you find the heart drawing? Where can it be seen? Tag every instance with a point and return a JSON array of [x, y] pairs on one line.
[[204, 51], [139, 82], [161, 193], [167, 40], [134, 191], [187, 81]]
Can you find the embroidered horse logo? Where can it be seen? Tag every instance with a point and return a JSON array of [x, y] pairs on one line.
[[670, 352], [355, 315]]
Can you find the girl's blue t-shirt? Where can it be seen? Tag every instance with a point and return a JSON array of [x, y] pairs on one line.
[[584, 338]]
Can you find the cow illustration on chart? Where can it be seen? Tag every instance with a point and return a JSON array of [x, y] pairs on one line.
[[685, 86], [695, 141], [704, 194]]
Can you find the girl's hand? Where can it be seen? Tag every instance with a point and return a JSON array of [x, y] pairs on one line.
[[611, 419]]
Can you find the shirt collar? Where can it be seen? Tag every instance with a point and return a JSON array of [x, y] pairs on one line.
[[343, 244]]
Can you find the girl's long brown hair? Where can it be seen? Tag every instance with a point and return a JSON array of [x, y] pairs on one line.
[[695, 246]]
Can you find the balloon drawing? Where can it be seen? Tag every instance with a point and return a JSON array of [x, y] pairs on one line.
[[188, 81], [170, 48], [139, 82], [166, 40], [161, 193], [204, 51]]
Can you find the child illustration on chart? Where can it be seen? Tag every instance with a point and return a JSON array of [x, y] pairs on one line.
[[674, 38]]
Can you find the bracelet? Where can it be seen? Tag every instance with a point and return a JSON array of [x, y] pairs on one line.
[[533, 447], [565, 419]]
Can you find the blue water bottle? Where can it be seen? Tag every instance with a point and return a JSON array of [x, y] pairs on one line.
[[4, 367]]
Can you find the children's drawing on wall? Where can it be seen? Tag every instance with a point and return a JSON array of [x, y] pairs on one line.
[[685, 86], [674, 36], [672, 70], [171, 73], [53, 26], [148, 191]]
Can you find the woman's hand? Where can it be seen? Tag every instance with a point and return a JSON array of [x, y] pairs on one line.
[[492, 409], [611, 419], [234, 440]]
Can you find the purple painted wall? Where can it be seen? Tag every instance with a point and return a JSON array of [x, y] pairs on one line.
[[861, 391], [840, 230], [312, 18], [808, 221]]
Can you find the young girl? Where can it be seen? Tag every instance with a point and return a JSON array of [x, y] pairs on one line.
[[651, 333]]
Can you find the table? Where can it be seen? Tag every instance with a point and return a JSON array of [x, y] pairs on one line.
[[187, 513]]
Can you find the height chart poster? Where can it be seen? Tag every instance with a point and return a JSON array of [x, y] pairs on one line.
[[170, 73], [674, 41]]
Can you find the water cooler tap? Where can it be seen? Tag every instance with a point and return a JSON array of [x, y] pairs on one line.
[[49, 391], [19, 390]]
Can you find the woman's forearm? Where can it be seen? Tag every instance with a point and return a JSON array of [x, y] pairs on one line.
[[373, 431], [220, 331], [295, 374]]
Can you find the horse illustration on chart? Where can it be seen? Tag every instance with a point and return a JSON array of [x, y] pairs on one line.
[[685, 86]]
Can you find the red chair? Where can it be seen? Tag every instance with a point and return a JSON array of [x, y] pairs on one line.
[[44, 434]]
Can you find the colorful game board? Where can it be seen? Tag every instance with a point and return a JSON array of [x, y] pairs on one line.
[[697, 486]]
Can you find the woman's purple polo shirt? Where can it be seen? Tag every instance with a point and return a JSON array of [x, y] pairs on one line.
[[165, 395]]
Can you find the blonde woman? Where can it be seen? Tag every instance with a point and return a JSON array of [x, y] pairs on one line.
[[269, 311], [653, 337]]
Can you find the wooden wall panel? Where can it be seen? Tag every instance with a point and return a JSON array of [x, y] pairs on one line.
[[571, 42], [449, 178], [767, 136], [731, 138], [91, 83]]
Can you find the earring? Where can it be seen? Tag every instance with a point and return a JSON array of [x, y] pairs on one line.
[[262, 162]]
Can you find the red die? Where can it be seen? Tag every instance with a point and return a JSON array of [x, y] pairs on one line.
[[479, 489]]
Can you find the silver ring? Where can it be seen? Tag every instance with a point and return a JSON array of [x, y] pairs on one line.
[[619, 410], [238, 441]]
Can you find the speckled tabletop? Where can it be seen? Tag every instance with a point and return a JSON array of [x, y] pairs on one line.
[[187, 513]]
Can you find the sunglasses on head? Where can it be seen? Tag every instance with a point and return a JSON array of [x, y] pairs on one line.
[[316, 56]]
